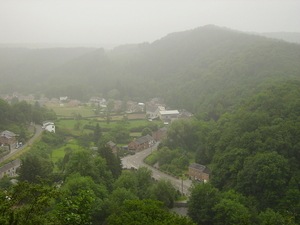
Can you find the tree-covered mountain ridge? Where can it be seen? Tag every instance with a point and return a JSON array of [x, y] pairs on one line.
[[207, 69]]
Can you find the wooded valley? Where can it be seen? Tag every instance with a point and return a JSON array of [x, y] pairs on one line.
[[244, 92]]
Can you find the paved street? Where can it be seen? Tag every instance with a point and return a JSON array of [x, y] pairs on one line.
[[136, 161], [38, 131]]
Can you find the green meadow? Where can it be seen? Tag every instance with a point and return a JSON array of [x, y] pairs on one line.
[[60, 152], [65, 111]]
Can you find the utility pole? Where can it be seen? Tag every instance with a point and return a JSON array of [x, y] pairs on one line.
[[182, 185]]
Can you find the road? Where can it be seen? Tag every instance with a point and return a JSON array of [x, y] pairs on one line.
[[38, 131], [136, 161]]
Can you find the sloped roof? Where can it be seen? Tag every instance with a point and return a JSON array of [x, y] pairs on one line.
[[111, 144], [151, 108], [169, 112], [12, 164], [200, 167], [163, 129], [143, 139], [46, 123], [7, 134]]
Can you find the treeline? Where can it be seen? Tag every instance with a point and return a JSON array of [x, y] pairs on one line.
[[254, 156], [18, 115]]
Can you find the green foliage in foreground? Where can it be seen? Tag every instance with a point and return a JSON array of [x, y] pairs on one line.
[[27, 203], [146, 212], [209, 206]]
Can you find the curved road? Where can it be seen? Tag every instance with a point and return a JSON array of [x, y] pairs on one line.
[[136, 161], [38, 131]]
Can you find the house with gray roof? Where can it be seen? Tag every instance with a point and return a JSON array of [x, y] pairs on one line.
[[8, 138], [141, 143], [10, 169], [199, 172]]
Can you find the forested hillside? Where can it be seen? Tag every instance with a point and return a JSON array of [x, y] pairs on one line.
[[253, 152], [207, 69], [28, 70]]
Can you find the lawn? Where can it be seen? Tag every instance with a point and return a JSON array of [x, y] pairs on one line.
[[60, 152], [65, 111]]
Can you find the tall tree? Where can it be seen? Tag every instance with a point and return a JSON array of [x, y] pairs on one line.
[[113, 162], [97, 134], [33, 167], [80, 162], [201, 202]]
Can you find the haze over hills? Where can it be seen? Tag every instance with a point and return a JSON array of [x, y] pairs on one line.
[[286, 36], [200, 69]]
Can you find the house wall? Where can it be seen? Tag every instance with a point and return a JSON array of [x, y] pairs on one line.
[[195, 174], [158, 135], [50, 128], [133, 145], [11, 142], [10, 169]]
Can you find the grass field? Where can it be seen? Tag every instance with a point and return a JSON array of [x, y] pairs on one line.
[[65, 111], [60, 152]]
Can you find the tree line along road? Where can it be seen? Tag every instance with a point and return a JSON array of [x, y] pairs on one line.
[[137, 161]]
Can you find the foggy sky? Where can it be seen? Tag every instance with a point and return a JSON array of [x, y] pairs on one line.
[[115, 22]]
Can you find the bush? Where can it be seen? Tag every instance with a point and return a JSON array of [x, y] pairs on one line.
[[151, 159]]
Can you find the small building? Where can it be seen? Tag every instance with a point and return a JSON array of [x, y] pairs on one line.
[[153, 111], [74, 103], [159, 134], [10, 169], [8, 138], [98, 101], [168, 115], [141, 143], [117, 105], [63, 98], [112, 146], [155, 101], [199, 172], [54, 101], [49, 126], [141, 107]]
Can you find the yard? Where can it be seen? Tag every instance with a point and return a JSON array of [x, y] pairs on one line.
[[65, 111]]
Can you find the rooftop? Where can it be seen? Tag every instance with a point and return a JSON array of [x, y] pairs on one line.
[[143, 139], [169, 112], [200, 167]]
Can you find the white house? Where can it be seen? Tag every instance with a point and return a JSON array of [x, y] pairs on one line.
[[63, 98], [49, 126], [153, 111], [168, 115]]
